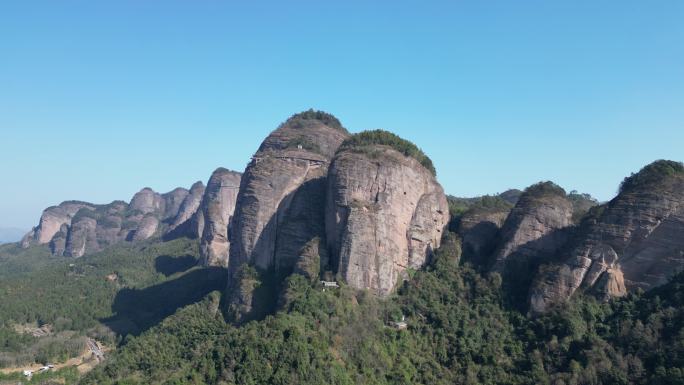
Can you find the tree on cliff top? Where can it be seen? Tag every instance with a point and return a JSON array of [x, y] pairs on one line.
[[652, 173], [303, 118], [386, 138]]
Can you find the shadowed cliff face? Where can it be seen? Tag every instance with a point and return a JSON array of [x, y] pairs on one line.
[[385, 213], [218, 205], [280, 204], [514, 242], [189, 222], [478, 230], [51, 221], [530, 230], [634, 241]]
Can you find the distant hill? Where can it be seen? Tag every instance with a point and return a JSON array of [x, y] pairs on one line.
[[11, 234]]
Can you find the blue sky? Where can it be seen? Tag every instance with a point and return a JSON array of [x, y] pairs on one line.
[[99, 99]]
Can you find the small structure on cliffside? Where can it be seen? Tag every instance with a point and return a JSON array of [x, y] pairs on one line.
[[399, 325]]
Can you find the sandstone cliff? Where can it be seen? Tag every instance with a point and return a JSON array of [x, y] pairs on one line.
[[75, 228], [218, 205], [385, 211], [51, 221], [531, 228], [635, 240], [187, 220], [281, 200], [478, 227], [81, 236], [147, 201], [172, 202]]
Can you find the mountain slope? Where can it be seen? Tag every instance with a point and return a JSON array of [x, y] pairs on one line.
[[122, 290], [458, 332], [634, 241]]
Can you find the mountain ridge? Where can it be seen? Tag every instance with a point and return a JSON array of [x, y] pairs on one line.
[[310, 180]]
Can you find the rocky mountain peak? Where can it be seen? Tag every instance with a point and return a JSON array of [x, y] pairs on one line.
[[385, 210], [146, 201], [189, 221], [531, 227], [311, 133], [281, 201], [635, 240], [172, 201], [218, 205]]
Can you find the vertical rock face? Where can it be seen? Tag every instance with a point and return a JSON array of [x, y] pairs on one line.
[[147, 227], [281, 200], [187, 210], [478, 228], [51, 221], [218, 205], [172, 203], [58, 242], [75, 228], [385, 213], [82, 236], [636, 240], [531, 228], [147, 201]]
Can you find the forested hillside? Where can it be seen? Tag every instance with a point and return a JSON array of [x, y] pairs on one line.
[[458, 331], [123, 290], [164, 315]]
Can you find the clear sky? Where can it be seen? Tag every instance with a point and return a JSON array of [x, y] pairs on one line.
[[101, 98]]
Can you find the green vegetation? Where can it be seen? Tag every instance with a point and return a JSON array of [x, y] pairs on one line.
[[581, 205], [459, 331], [547, 188], [53, 377], [360, 142], [15, 260], [164, 314], [459, 206], [304, 118], [486, 203], [147, 282], [652, 174], [305, 142]]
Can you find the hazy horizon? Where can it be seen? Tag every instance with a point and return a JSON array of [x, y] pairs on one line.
[[100, 100]]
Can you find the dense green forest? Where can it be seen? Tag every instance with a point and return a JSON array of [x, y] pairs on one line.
[[123, 290], [458, 331], [164, 315]]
